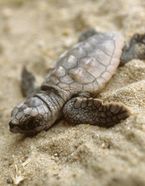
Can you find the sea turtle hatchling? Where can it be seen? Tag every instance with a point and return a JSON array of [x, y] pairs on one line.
[[69, 88]]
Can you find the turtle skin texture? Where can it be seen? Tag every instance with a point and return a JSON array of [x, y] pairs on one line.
[[69, 89]]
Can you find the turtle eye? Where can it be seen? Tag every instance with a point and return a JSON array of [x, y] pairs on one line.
[[31, 124]]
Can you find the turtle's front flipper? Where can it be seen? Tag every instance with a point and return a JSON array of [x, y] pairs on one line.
[[27, 82], [92, 111], [134, 50]]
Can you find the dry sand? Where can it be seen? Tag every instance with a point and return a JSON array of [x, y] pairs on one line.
[[35, 33]]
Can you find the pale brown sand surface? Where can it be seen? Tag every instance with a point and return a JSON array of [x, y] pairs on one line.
[[35, 33]]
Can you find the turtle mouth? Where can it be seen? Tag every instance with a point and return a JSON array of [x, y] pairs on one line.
[[17, 129], [14, 130], [13, 127], [30, 128]]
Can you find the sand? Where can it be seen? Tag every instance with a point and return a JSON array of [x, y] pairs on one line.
[[35, 33]]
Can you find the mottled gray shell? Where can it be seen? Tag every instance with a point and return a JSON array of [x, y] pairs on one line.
[[89, 65]]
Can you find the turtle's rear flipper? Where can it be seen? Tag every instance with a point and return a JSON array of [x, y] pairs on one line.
[[27, 82], [92, 111], [134, 50], [87, 33]]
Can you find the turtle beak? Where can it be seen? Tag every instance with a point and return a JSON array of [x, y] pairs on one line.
[[13, 127]]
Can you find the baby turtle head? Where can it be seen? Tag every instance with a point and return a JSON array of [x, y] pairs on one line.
[[29, 117]]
